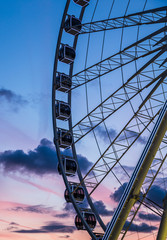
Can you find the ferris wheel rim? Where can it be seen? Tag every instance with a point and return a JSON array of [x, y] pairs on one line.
[[69, 98], [70, 123]]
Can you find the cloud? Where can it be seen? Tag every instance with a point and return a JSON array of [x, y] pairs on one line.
[[12, 226], [84, 164], [39, 161], [12, 98], [149, 217], [116, 196], [35, 209], [13, 223], [112, 133], [133, 135], [141, 139], [143, 227], [157, 194], [51, 227], [101, 208], [66, 236], [62, 215], [42, 160], [99, 205], [103, 134], [68, 211]]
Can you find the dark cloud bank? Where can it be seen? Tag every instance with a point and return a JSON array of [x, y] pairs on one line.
[[116, 196], [156, 194], [143, 227], [101, 208], [42, 160], [149, 217]]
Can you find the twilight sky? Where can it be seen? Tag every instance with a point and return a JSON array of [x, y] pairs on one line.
[[32, 204]]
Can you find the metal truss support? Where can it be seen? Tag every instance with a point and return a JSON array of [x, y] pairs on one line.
[[153, 16], [132, 191], [162, 234], [127, 55], [132, 131]]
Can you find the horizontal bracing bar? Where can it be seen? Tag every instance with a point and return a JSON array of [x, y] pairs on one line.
[[153, 16]]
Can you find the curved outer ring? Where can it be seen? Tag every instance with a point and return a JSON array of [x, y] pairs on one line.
[[70, 126]]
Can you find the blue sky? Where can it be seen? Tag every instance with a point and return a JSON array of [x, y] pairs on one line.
[[28, 39], [31, 197]]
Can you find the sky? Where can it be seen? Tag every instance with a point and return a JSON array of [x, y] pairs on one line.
[[32, 203]]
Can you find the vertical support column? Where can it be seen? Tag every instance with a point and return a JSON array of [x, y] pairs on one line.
[[162, 233]]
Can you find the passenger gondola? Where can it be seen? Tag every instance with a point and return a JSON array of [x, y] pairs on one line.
[[64, 138], [63, 110], [72, 25], [70, 166], [66, 54], [89, 218], [82, 3], [79, 193], [63, 82]]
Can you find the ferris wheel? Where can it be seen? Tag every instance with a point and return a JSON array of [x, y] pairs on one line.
[[109, 103]]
